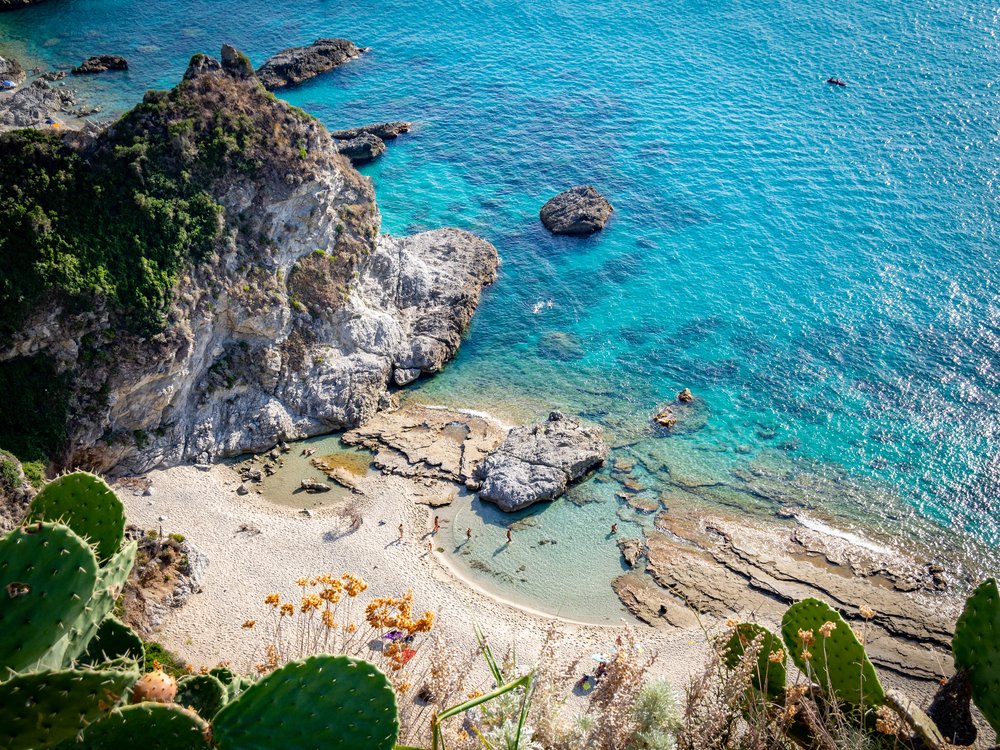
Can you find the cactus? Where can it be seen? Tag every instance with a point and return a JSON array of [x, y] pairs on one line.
[[915, 719], [328, 702], [976, 647], [110, 582], [114, 639], [42, 709], [769, 677], [151, 726], [202, 693], [47, 577], [86, 504], [838, 661]]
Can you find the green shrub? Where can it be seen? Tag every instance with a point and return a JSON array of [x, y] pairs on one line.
[[170, 662], [33, 409]]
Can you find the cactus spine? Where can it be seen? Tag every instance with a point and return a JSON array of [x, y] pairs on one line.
[[86, 504], [113, 640], [202, 693], [47, 577], [42, 709], [319, 703], [769, 676], [151, 726], [836, 659], [976, 647]]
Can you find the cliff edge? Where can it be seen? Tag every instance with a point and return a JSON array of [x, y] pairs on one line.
[[206, 278]]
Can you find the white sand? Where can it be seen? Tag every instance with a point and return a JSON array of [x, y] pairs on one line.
[[243, 569]]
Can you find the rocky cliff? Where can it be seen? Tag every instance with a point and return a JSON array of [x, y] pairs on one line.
[[284, 312]]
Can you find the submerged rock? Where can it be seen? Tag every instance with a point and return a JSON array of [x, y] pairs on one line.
[[297, 64], [387, 131], [537, 463], [101, 64], [362, 149], [579, 210]]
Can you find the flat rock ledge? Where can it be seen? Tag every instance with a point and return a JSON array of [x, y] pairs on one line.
[[363, 149], [577, 211], [537, 463], [386, 131], [295, 65]]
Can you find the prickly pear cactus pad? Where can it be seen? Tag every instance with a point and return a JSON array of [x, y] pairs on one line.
[[202, 693], [976, 647], [41, 709], [148, 726], [114, 639], [86, 504], [110, 582], [47, 578], [320, 703], [833, 657], [769, 677]]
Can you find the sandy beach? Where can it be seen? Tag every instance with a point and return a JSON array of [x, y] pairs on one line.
[[245, 567]]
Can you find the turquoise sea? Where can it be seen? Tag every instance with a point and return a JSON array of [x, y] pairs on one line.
[[819, 264]]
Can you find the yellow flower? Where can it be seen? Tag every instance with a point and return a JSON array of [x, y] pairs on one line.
[[807, 655], [866, 612], [287, 609], [272, 599], [807, 637], [328, 619], [778, 657], [249, 624], [311, 601], [826, 628], [351, 628]]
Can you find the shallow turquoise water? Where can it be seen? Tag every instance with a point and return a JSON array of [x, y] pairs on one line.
[[819, 264]]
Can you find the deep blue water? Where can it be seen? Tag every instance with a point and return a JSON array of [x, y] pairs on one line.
[[819, 264]]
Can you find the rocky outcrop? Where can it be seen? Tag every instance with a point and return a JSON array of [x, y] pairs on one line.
[[538, 463], [11, 70], [15, 492], [298, 323], [101, 64], [30, 106], [386, 131], [16, 4], [362, 149], [297, 64], [579, 210]]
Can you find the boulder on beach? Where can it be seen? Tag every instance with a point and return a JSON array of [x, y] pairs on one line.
[[579, 210], [11, 70], [538, 462], [297, 64], [384, 130], [100, 64], [363, 149]]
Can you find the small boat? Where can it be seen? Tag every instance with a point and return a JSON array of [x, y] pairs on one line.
[[835, 82]]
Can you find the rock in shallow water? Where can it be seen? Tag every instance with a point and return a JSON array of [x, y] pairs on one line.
[[538, 462], [101, 64], [384, 130], [579, 210], [362, 149], [297, 64]]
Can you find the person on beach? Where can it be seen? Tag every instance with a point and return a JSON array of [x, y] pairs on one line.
[[437, 524], [509, 539], [614, 528], [430, 547], [468, 534], [400, 532]]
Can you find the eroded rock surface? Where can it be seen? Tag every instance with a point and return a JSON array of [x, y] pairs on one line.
[[362, 149], [539, 462], [579, 210], [100, 64], [386, 131], [298, 323], [31, 105], [11, 70], [297, 64]]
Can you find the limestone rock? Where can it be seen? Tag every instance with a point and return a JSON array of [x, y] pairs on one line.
[[297, 64], [579, 210], [633, 550], [362, 149], [297, 325], [387, 131], [100, 64], [537, 463], [11, 70], [30, 106]]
